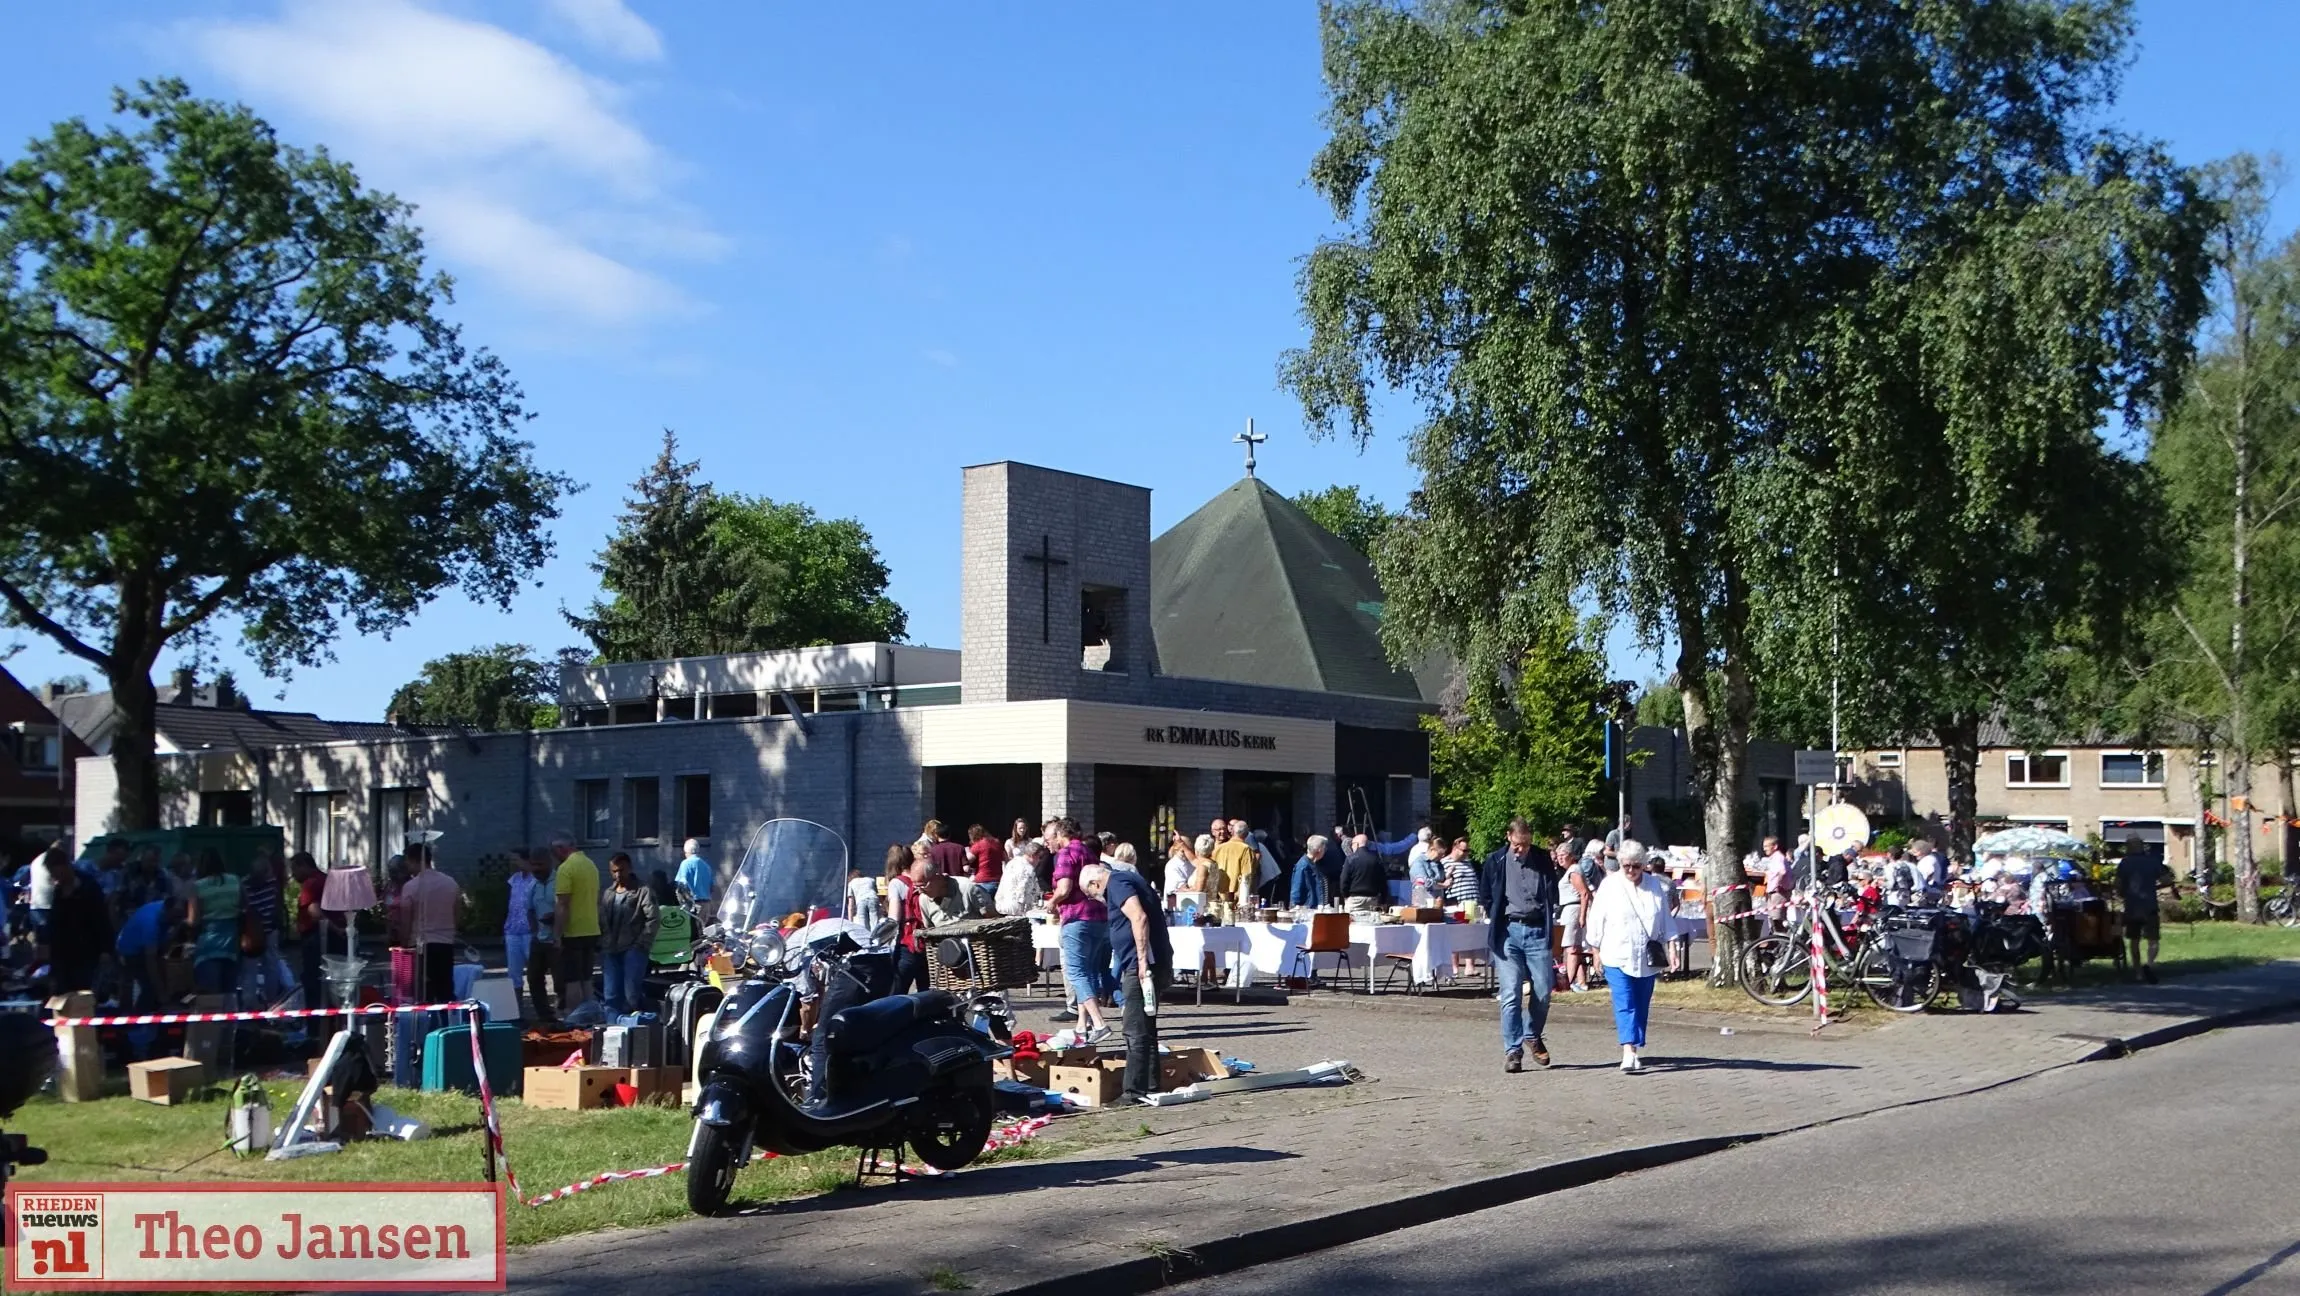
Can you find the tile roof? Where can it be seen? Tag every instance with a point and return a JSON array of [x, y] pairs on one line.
[[1249, 589]]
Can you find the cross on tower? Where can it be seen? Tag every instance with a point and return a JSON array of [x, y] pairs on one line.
[[1252, 439], [1047, 562]]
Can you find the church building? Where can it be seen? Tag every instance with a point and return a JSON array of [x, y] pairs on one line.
[[1230, 666]]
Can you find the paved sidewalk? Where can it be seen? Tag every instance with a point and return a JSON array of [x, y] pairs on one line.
[[1435, 1111]]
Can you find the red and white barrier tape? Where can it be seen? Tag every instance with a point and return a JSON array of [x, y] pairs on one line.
[[487, 1116], [1820, 974], [268, 1014], [1018, 1132]]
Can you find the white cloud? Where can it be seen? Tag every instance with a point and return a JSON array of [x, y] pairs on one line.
[[940, 356], [526, 170], [610, 28]]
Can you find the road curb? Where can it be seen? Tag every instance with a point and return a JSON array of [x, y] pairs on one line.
[[1298, 1238], [1302, 1237], [2126, 1045]]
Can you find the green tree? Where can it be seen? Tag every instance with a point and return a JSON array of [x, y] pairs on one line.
[[670, 582], [1628, 257], [827, 582], [1357, 518], [227, 395], [1535, 748], [692, 572], [1660, 704], [2229, 456], [503, 687]]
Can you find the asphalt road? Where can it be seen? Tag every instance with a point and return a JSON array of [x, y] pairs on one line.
[[2172, 1171]]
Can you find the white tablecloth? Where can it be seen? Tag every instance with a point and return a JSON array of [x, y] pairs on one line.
[[1229, 946], [1431, 945]]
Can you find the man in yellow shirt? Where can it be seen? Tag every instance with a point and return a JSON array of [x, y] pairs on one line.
[[576, 884], [1241, 864]]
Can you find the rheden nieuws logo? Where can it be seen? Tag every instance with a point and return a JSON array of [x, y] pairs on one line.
[[302, 1237]]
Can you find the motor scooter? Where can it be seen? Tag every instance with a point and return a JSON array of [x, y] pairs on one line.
[[884, 1071]]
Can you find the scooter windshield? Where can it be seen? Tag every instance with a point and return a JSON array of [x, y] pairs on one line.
[[792, 866]]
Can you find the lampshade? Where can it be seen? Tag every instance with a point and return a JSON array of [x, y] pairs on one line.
[[347, 889]]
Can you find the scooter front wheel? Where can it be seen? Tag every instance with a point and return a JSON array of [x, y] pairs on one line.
[[952, 1127], [710, 1169]]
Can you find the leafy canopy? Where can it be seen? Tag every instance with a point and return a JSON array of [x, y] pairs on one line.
[[1357, 518], [693, 572], [228, 396], [1536, 749], [503, 687]]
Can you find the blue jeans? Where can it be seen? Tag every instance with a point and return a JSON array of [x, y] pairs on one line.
[[1524, 959], [516, 946], [1632, 1004], [1086, 960], [621, 975]]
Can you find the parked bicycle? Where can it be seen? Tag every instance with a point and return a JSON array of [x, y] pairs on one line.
[[1777, 970]]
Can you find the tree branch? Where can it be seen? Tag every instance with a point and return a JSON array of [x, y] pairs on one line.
[[207, 604], [2211, 658], [32, 616]]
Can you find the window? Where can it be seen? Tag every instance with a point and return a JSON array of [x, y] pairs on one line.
[[679, 708], [324, 828], [634, 713], [2132, 769], [2036, 769], [37, 752], [643, 809], [1101, 625], [695, 805], [591, 715], [593, 816], [1888, 760], [227, 809], [727, 705], [398, 811]]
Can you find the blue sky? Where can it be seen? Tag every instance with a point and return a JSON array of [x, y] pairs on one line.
[[844, 255]]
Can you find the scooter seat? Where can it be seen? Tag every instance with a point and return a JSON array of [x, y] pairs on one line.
[[866, 1026]]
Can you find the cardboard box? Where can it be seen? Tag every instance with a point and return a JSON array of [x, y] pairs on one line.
[[656, 1084], [207, 1042], [540, 1049], [1428, 914], [571, 1088], [1097, 1084], [723, 964], [1029, 1071], [166, 1081], [79, 1053], [1182, 1068]]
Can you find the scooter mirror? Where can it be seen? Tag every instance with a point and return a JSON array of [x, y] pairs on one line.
[[884, 933]]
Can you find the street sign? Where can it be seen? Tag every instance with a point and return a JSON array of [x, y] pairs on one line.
[[1816, 768]]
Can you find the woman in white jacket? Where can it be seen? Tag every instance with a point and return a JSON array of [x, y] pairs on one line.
[[1628, 915]]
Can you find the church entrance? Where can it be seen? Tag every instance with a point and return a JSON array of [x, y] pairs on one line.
[[1137, 803]]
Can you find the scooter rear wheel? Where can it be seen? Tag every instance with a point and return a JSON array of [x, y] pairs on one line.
[[710, 1170], [952, 1127]]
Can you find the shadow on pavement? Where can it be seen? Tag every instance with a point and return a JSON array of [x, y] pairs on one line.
[[1654, 1063], [1019, 1176], [1631, 1258]]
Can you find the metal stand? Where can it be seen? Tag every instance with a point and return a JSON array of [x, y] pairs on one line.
[[868, 1166]]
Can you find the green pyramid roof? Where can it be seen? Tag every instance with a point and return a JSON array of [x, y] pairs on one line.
[[1248, 589]]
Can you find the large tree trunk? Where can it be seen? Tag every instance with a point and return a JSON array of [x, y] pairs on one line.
[[2284, 819], [1718, 737], [1960, 739], [2200, 776], [133, 745]]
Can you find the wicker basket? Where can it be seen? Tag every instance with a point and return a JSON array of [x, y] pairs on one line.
[[998, 955]]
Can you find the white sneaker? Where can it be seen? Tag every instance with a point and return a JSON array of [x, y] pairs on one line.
[[1636, 1065], [1628, 1060]]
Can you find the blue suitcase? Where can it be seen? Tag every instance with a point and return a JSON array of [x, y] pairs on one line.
[[447, 1059]]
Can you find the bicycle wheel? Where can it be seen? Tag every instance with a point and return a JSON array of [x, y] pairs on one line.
[[1777, 971], [1888, 992]]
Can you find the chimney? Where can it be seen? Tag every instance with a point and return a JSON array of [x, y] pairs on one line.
[[50, 694], [183, 686]]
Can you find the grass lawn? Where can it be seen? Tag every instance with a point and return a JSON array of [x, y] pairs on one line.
[[121, 1138]]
